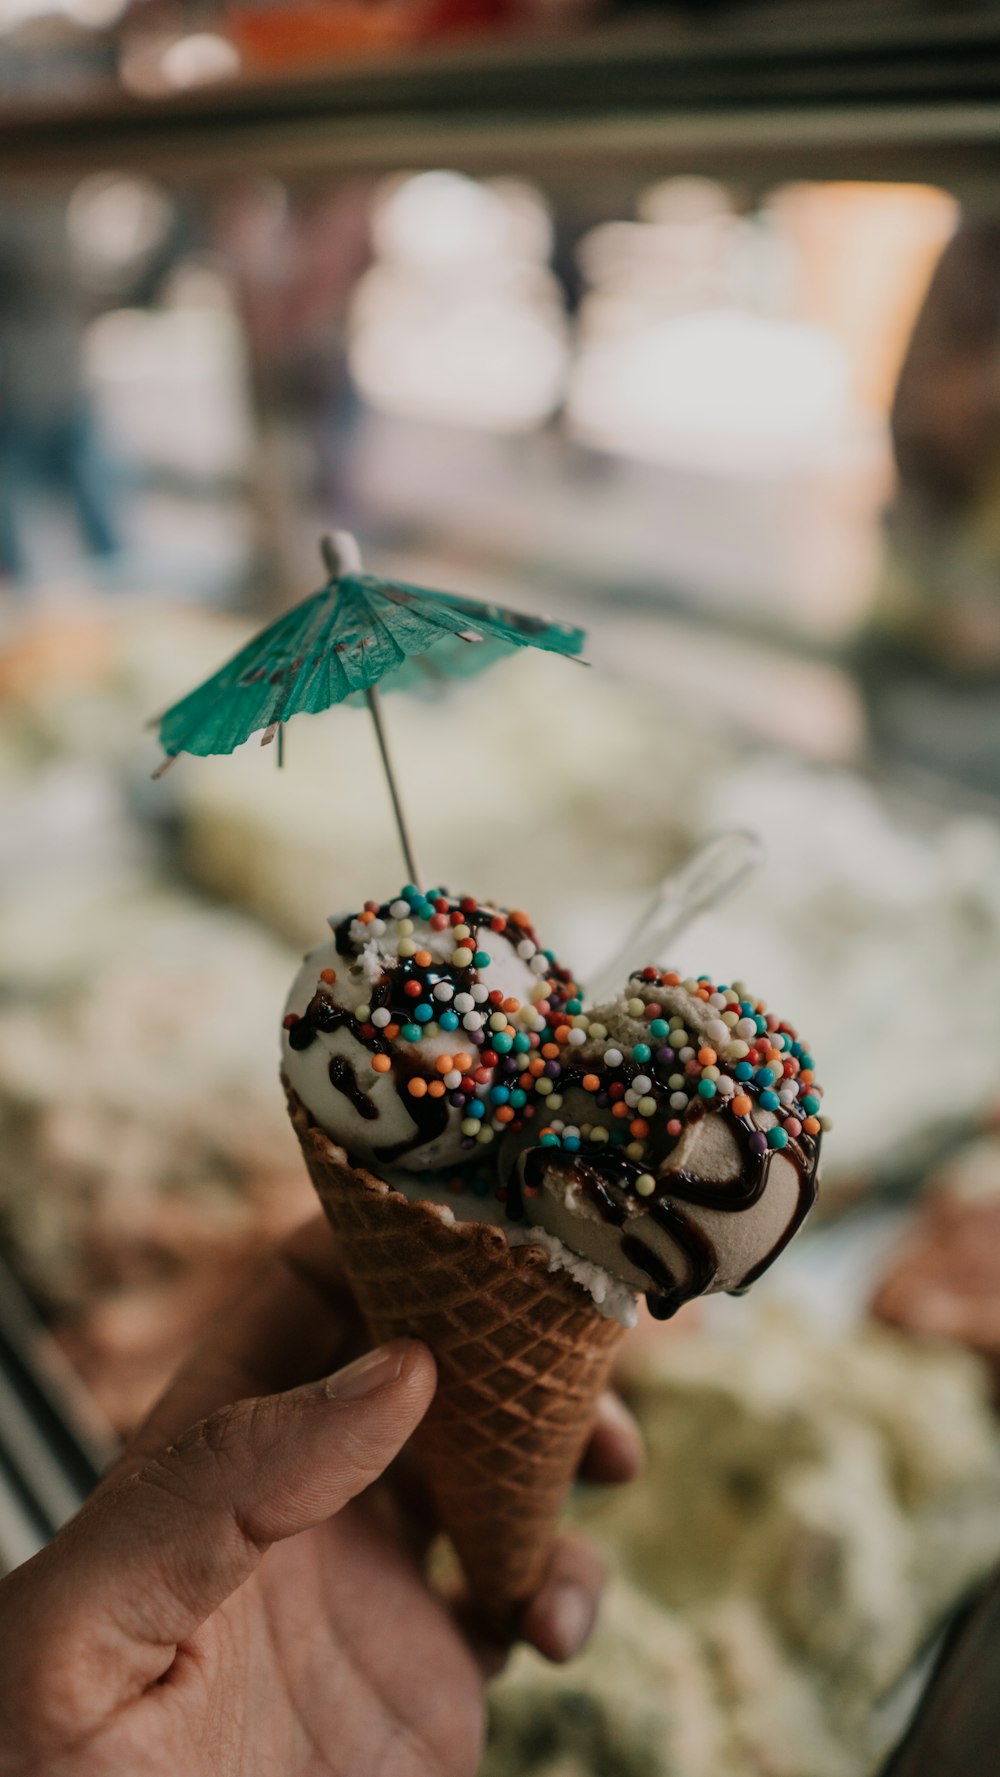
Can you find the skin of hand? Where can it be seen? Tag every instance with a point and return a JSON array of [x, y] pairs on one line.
[[244, 1594]]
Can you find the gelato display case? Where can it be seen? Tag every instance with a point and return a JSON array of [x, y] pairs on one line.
[[679, 325]]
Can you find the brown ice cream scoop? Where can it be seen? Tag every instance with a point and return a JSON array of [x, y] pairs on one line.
[[685, 1153], [713, 1216]]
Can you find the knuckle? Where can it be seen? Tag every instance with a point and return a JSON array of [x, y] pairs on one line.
[[219, 1441], [214, 1454], [179, 1472], [217, 1435]]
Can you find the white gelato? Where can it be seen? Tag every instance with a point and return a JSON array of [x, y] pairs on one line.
[[385, 1121]]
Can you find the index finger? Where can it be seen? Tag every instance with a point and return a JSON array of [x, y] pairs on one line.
[[294, 1321]]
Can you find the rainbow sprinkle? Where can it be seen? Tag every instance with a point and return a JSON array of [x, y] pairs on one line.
[[500, 1042], [694, 1047], [741, 1058]]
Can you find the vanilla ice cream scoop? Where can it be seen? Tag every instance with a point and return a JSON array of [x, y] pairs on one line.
[[686, 1150], [400, 1028]]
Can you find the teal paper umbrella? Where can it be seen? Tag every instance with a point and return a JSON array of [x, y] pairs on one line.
[[357, 633]]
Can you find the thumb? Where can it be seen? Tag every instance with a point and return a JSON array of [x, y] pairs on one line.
[[151, 1557]]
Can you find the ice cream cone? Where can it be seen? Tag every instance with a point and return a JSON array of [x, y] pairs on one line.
[[522, 1356]]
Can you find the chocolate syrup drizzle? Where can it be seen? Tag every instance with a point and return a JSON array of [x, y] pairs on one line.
[[607, 1180], [429, 1115], [344, 1078]]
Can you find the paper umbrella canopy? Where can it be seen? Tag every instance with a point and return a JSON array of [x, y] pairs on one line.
[[356, 634]]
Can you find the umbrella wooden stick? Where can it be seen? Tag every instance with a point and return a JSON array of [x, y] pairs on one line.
[[341, 555], [375, 706]]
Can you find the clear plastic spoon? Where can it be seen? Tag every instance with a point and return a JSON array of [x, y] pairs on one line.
[[713, 872]]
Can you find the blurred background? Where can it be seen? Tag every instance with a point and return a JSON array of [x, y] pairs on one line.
[[681, 323]]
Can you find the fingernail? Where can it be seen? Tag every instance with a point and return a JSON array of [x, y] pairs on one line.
[[572, 1612], [366, 1374]]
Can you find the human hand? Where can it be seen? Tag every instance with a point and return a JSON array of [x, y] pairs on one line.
[[247, 1595]]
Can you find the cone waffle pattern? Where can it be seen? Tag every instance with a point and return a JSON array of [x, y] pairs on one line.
[[522, 1357]]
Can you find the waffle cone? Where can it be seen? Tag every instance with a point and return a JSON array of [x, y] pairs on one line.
[[522, 1356]]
